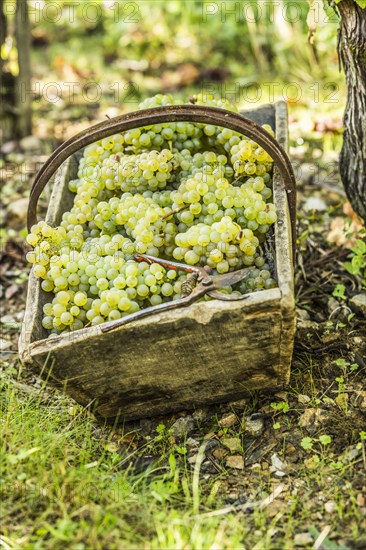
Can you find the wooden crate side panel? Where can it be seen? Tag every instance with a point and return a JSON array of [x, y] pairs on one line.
[[283, 244], [60, 200], [149, 369]]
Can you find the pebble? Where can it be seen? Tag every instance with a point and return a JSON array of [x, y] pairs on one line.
[[315, 203], [312, 418], [235, 461], [228, 420], [241, 403], [303, 398], [183, 426], [4, 344], [254, 427], [279, 467], [9, 147], [220, 453], [330, 507], [17, 213], [192, 443], [302, 314], [232, 443], [332, 305], [303, 539], [7, 320], [358, 304], [359, 399], [211, 444]]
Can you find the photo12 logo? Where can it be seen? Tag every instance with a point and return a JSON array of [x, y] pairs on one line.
[[255, 92], [88, 11], [272, 11]]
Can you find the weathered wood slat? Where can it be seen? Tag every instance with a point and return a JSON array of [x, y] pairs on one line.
[[208, 352]]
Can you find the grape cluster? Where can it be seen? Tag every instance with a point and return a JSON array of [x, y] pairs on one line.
[[194, 193]]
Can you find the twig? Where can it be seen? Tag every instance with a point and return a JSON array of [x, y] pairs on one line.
[[175, 211]]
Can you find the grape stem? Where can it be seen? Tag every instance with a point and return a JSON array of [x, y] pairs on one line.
[[175, 211]]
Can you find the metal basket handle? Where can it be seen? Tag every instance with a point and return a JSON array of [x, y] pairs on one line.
[[161, 115]]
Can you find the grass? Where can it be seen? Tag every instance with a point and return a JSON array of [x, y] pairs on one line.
[[63, 485], [68, 482]]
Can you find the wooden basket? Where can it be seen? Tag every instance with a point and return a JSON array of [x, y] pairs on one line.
[[208, 352]]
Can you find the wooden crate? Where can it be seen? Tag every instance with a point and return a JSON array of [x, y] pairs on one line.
[[208, 352]]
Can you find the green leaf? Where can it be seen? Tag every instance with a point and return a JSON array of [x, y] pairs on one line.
[[172, 463], [339, 291], [307, 443], [325, 439], [361, 3]]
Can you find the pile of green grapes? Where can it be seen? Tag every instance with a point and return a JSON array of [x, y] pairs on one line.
[[195, 193]]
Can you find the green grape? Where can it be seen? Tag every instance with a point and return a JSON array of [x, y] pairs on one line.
[[195, 193]]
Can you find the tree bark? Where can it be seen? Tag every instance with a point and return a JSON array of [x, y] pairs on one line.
[[23, 81], [352, 51]]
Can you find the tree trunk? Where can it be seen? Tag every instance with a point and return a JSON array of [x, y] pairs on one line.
[[23, 81], [352, 51]]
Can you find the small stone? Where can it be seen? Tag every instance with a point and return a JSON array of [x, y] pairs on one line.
[[192, 443], [330, 507], [254, 427], [315, 203], [358, 304], [241, 403], [359, 399], [232, 443], [312, 418], [220, 453], [332, 305], [279, 467], [7, 320], [302, 314], [4, 344], [9, 147], [360, 500], [17, 213], [228, 420], [211, 444], [281, 395], [303, 539], [192, 459], [30, 143], [351, 453], [303, 399], [183, 426], [235, 461]]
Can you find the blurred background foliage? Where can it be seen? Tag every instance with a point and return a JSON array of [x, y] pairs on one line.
[[92, 59]]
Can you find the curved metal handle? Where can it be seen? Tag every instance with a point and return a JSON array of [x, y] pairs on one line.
[[161, 115]]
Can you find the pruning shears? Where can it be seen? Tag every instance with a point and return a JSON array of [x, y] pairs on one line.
[[200, 282]]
